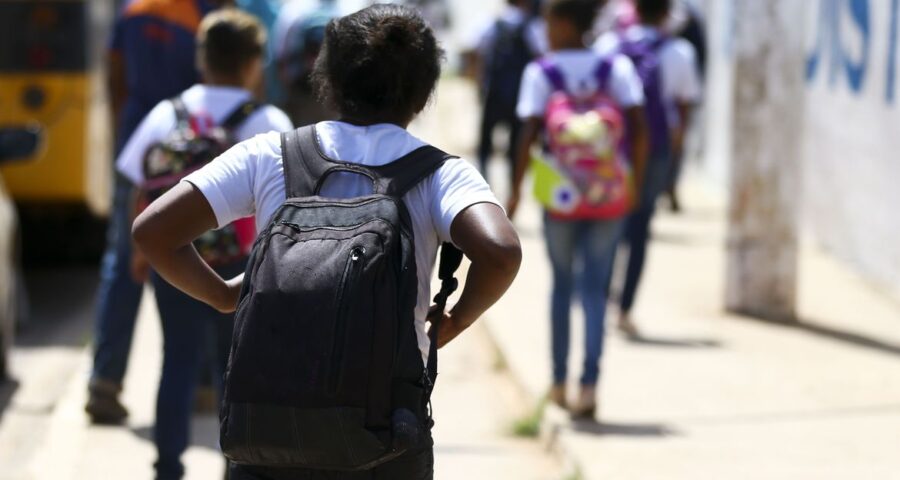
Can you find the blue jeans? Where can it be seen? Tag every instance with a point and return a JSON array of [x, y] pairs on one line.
[[593, 242], [118, 296], [190, 328], [637, 226]]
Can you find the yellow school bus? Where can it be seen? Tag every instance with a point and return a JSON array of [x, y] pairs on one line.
[[50, 79]]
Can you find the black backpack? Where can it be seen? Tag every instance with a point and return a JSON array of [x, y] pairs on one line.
[[325, 370]]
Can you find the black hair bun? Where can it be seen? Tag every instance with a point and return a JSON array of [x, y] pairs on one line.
[[396, 35]]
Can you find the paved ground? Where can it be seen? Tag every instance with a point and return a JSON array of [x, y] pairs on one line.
[[705, 394]]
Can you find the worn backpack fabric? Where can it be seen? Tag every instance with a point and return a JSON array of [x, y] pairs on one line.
[[586, 175], [187, 149], [325, 370], [644, 53], [507, 58]]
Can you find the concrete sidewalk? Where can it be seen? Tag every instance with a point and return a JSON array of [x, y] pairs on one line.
[[474, 403], [705, 394]]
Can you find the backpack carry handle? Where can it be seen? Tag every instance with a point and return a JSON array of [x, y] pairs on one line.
[[306, 167]]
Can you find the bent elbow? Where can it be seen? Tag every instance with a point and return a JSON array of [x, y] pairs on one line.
[[505, 255]]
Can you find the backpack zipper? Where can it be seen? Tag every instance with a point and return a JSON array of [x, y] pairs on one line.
[[348, 287]]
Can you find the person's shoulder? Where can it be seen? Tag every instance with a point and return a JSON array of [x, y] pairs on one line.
[[274, 119], [681, 48], [607, 42]]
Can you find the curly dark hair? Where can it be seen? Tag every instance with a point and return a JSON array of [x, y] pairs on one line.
[[379, 64]]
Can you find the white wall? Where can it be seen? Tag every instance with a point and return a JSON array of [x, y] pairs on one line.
[[851, 163]]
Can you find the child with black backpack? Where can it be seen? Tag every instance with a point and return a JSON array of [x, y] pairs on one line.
[[179, 136], [586, 110], [504, 49], [332, 364]]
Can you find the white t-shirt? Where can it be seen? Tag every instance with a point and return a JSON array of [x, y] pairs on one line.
[[578, 68], [249, 180], [208, 105], [677, 63]]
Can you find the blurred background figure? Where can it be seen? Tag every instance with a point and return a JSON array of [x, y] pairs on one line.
[[503, 50], [616, 15], [267, 12], [585, 172], [178, 136], [686, 22], [296, 40], [151, 58], [667, 66]]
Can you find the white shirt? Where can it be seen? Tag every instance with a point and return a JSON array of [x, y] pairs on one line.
[[249, 180], [677, 63], [578, 68], [208, 105]]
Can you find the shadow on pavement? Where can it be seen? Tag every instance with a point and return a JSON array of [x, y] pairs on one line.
[[622, 429], [836, 334], [672, 342], [8, 388]]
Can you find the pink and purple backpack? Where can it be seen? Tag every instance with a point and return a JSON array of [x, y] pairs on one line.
[[586, 174]]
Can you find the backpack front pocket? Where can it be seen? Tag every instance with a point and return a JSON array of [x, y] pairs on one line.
[[344, 305]]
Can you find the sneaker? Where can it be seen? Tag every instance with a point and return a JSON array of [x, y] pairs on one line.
[[585, 407], [557, 395], [627, 326], [103, 404]]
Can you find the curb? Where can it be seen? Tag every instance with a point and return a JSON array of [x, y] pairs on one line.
[[554, 420]]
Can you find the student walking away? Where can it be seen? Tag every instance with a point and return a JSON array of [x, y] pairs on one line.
[[151, 58], [505, 48], [671, 85], [686, 22], [179, 136], [586, 105], [266, 11], [299, 45], [332, 367]]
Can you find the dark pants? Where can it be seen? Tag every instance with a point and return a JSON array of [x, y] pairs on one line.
[[190, 330], [493, 116], [118, 295], [416, 465], [637, 226]]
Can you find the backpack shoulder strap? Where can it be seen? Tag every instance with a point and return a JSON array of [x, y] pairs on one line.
[[553, 73], [400, 176], [303, 164], [182, 116], [603, 72], [240, 114]]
